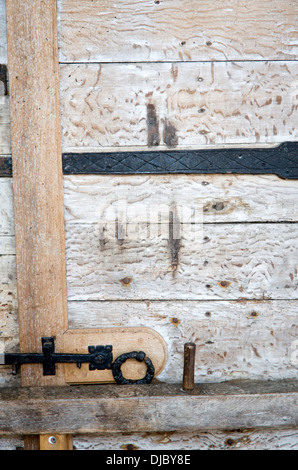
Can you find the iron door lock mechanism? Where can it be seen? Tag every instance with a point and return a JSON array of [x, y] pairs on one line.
[[98, 358]]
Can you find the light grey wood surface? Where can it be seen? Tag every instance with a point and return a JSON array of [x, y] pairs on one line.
[[183, 105], [158, 408], [237, 338], [175, 30], [247, 439]]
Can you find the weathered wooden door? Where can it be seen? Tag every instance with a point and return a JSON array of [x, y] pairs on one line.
[[150, 261]]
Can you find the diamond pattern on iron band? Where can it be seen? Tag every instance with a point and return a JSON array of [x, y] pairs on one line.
[[281, 161]]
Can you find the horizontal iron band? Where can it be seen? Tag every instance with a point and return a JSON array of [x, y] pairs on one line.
[[281, 161]]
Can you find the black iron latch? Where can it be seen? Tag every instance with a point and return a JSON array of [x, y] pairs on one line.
[[98, 358]]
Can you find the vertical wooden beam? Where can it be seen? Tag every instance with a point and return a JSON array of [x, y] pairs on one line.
[[37, 175]]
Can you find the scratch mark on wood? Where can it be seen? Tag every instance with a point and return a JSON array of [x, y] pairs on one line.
[[174, 239], [255, 350]]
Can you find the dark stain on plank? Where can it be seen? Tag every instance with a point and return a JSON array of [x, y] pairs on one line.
[[153, 126], [170, 135]]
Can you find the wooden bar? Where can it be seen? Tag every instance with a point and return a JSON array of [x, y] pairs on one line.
[[38, 196], [37, 170], [154, 408]]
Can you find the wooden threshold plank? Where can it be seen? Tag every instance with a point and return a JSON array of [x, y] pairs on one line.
[[154, 408]]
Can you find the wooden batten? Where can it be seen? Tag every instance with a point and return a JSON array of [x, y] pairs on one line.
[[38, 195], [155, 409]]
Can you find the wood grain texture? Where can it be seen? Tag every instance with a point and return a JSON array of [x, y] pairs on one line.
[[257, 261], [110, 106], [246, 439], [222, 198], [6, 211], [173, 30], [38, 199], [9, 326], [3, 43], [226, 199], [158, 408], [5, 148], [241, 339], [212, 198], [4, 100], [234, 339]]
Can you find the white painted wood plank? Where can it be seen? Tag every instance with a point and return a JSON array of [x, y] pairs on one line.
[[222, 198], [255, 261], [214, 198], [4, 100], [9, 329], [6, 208], [7, 278], [3, 42], [184, 105], [240, 339], [177, 30], [7, 245], [235, 340], [5, 148], [249, 439], [257, 336]]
